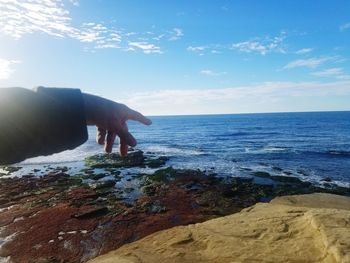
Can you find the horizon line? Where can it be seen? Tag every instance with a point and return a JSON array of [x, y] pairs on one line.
[[246, 113]]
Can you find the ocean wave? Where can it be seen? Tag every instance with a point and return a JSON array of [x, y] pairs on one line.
[[172, 150], [268, 149], [339, 153], [238, 134], [329, 153], [70, 156], [233, 134]]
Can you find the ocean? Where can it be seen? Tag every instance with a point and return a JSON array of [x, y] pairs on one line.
[[312, 146]]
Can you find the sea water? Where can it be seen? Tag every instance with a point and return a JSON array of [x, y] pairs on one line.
[[312, 146]]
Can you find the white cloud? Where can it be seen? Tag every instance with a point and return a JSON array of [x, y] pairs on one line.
[[18, 18], [146, 48], [250, 46], [262, 46], [211, 73], [268, 96], [258, 45], [6, 69], [21, 17], [344, 27], [303, 51], [159, 37], [201, 50], [176, 34], [74, 2], [99, 35], [337, 73], [309, 63], [196, 48]]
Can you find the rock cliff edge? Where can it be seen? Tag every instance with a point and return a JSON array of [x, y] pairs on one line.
[[301, 228]]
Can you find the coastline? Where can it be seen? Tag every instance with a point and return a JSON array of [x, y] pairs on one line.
[[76, 218]]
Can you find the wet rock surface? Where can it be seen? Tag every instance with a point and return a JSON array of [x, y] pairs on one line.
[[115, 160], [133, 159], [62, 218]]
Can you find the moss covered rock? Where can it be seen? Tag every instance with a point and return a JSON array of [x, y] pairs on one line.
[[114, 160]]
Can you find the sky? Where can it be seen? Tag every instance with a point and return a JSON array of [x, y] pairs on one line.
[[183, 57]]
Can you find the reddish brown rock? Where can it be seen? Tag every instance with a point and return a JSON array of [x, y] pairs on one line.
[[56, 217]]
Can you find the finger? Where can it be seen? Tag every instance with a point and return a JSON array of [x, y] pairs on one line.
[[123, 148], [125, 136], [100, 136], [110, 141], [124, 141], [136, 116]]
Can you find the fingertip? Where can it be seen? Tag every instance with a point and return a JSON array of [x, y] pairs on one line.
[[100, 136], [147, 121], [123, 149], [108, 150], [132, 141], [110, 141], [132, 144], [144, 120], [137, 116], [101, 140]]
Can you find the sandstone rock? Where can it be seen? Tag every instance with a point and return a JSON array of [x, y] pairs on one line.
[[316, 200], [305, 228]]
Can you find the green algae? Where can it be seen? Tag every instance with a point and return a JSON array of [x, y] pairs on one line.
[[114, 160], [103, 184], [133, 159], [157, 162]]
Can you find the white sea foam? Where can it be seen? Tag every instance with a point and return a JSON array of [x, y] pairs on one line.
[[267, 149], [68, 156], [172, 151]]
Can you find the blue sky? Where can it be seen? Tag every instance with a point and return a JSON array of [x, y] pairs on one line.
[[183, 57]]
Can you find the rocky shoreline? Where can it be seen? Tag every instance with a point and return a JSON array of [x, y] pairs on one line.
[[61, 218], [309, 228]]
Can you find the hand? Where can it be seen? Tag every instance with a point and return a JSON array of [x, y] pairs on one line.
[[110, 118]]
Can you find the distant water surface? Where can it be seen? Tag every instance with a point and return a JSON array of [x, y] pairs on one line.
[[312, 146]]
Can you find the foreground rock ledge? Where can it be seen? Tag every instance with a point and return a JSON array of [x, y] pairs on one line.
[[303, 228]]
